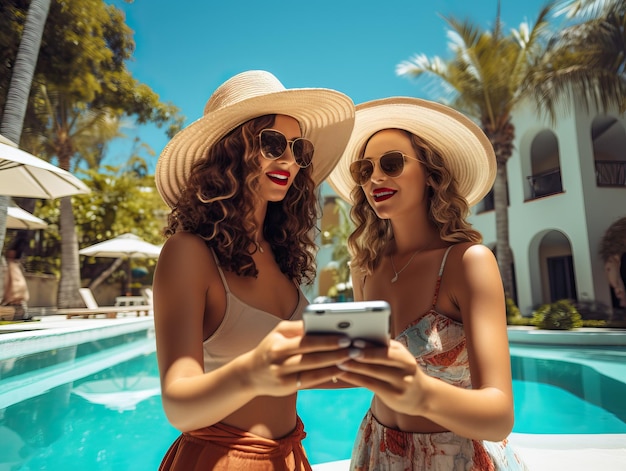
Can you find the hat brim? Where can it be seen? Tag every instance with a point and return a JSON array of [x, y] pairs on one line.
[[466, 150], [326, 117]]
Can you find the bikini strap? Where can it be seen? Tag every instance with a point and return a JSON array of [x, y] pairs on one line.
[[219, 270], [439, 276]]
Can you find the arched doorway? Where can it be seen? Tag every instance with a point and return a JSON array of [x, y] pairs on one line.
[[557, 267]]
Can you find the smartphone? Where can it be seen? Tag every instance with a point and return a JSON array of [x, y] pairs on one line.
[[367, 320]]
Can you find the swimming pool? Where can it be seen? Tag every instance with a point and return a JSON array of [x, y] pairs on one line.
[[55, 412], [103, 412]]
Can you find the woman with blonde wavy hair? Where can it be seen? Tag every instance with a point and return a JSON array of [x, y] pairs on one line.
[[442, 388], [241, 182]]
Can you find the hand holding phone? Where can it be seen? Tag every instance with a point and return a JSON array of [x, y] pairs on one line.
[[366, 320]]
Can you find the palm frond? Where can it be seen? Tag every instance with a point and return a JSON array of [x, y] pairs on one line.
[[586, 9]]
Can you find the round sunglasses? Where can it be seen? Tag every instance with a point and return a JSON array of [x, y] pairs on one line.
[[274, 144], [391, 163]]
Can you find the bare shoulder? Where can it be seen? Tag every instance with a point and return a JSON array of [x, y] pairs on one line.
[[472, 268], [475, 280], [185, 255], [185, 242], [470, 255]]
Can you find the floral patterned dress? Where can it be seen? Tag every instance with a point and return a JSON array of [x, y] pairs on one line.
[[439, 346]]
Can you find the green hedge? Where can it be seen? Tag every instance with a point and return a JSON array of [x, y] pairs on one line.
[[560, 315]]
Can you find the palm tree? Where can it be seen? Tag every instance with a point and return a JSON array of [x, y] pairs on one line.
[[76, 132], [19, 88], [589, 9], [587, 58], [490, 74]]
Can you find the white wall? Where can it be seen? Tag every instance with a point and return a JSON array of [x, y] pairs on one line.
[[582, 212]]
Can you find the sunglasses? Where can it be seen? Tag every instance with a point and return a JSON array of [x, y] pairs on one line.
[[391, 163], [274, 144]]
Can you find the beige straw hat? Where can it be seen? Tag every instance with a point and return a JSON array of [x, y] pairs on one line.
[[466, 150], [326, 117]]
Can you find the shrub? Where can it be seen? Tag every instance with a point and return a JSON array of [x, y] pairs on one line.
[[513, 314], [594, 323], [512, 311], [560, 315]]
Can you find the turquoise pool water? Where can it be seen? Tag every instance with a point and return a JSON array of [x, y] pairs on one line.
[[111, 418]]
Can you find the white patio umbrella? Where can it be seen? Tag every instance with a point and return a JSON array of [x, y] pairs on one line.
[[22, 174], [17, 218], [124, 246]]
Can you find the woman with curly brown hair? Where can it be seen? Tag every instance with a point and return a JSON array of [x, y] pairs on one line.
[[241, 182], [443, 390]]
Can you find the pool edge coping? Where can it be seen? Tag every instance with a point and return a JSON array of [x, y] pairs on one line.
[[601, 336]]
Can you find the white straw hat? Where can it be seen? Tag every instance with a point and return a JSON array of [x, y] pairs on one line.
[[466, 150], [325, 116]]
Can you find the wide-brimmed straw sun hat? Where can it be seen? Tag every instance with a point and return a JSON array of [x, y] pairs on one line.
[[466, 150], [325, 116]]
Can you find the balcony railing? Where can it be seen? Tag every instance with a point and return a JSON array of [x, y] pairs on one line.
[[611, 173], [545, 183]]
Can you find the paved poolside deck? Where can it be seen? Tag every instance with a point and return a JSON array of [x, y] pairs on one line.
[[540, 452]]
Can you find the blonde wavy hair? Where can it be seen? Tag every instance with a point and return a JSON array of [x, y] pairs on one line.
[[447, 209], [218, 205]]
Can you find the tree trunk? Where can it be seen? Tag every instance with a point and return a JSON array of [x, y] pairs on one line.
[[67, 295], [503, 249], [501, 137], [19, 87]]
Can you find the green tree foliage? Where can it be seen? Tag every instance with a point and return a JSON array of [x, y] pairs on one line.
[[81, 85], [338, 236], [122, 199], [84, 51], [587, 57]]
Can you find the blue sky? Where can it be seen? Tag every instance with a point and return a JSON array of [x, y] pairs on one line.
[[187, 48]]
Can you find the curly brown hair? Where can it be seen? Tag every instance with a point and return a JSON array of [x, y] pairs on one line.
[[218, 205], [448, 211]]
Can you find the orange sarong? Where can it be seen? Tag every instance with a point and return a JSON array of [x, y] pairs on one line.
[[222, 447]]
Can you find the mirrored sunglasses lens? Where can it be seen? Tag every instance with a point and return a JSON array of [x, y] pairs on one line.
[[273, 144], [361, 171], [303, 152], [392, 163]]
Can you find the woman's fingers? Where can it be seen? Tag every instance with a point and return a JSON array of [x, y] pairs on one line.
[[288, 338], [381, 369], [286, 360], [298, 361], [306, 379], [380, 387], [395, 356], [383, 373]]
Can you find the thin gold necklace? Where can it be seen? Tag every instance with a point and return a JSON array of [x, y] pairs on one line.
[[393, 265]]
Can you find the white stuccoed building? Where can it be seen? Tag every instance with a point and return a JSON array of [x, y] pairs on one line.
[[567, 185]]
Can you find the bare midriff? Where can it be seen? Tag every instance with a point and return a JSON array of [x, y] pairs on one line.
[[266, 416], [405, 423]]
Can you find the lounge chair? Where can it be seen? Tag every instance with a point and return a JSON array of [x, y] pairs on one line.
[[93, 309], [148, 294]]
